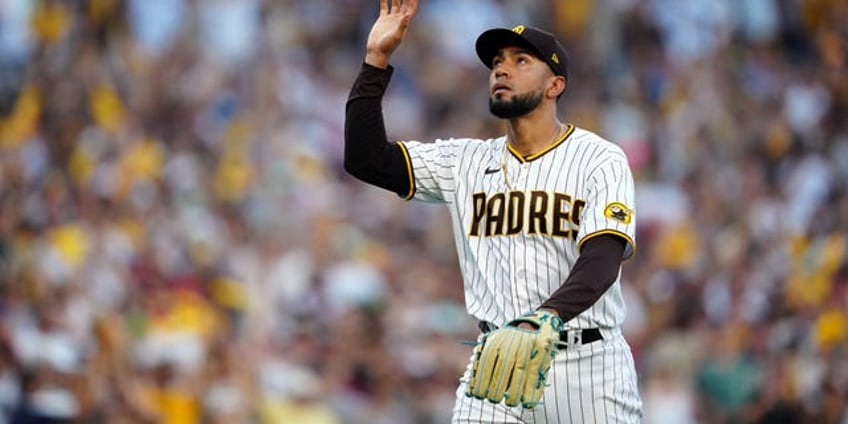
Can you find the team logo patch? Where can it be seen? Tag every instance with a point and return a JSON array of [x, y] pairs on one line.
[[617, 211], [555, 58], [519, 29]]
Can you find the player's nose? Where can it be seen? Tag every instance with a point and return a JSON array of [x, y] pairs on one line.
[[500, 71]]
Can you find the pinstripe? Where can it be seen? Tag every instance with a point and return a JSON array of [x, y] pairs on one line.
[[525, 265], [556, 385], [553, 283], [592, 384], [465, 402], [621, 379], [597, 164], [568, 402], [604, 385], [606, 309], [581, 393], [513, 249], [589, 156]]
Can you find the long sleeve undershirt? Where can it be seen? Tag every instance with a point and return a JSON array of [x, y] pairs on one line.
[[593, 273], [368, 155]]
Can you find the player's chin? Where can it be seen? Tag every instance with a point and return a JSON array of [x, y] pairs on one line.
[[498, 100], [499, 96]]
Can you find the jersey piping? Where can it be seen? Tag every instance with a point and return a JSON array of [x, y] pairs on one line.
[[534, 156], [628, 251], [411, 193]]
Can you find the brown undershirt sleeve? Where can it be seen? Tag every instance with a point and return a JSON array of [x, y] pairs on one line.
[[593, 273], [368, 155]]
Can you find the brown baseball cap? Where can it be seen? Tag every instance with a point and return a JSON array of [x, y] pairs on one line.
[[538, 41]]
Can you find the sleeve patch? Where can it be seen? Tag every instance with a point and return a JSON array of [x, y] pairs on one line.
[[618, 212]]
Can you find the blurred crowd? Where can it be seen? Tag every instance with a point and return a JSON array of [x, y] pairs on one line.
[[180, 244]]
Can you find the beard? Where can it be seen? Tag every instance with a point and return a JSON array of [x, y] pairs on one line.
[[519, 105]]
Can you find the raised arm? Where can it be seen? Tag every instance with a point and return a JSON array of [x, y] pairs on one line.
[[368, 155]]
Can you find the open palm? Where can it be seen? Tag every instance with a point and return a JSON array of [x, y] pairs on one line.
[[390, 27]]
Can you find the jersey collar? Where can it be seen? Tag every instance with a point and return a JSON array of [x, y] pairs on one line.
[[568, 130]]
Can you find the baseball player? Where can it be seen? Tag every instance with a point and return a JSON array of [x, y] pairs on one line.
[[542, 216]]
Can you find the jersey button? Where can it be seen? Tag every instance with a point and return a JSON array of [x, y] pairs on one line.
[[521, 274]]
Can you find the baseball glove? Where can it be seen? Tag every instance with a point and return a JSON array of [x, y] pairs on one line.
[[512, 363]]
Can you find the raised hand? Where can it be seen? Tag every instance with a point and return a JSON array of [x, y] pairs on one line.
[[388, 30]]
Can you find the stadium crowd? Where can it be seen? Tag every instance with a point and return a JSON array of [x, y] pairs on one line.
[[180, 244]]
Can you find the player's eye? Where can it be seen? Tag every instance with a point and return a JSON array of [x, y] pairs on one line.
[[497, 61]]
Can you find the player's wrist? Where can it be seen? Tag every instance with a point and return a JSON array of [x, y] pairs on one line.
[[377, 59], [550, 311]]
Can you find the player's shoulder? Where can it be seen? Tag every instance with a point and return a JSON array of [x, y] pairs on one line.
[[457, 149], [460, 141], [597, 143], [470, 145], [471, 141]]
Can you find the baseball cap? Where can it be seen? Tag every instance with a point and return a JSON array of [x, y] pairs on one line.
[[541, 42]]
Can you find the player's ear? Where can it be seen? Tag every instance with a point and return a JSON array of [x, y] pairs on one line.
[[557, 87]]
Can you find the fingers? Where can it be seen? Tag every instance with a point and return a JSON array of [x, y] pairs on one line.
[[407, 11], [409, 7], [404, 22]]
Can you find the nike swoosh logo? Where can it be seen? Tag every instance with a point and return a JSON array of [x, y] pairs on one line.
[[491, 170]]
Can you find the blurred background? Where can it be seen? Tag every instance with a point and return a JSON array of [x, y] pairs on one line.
[[179, 242]]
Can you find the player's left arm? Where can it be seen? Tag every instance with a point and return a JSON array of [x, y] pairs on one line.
[[605, 238], [593, 273]]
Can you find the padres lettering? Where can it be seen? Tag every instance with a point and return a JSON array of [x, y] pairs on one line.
[[536, 212]]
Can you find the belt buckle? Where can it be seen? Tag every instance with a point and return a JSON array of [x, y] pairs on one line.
[[574, 339]]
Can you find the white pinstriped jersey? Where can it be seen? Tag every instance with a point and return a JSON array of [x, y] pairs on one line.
[[519, 222]]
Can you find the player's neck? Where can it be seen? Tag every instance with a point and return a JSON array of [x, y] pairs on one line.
[[528, 135]]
